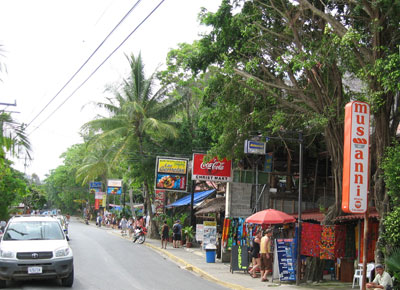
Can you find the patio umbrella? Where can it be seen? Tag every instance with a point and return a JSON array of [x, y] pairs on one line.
[[270, 216]]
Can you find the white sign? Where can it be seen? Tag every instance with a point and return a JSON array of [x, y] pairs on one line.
[[114, 182], [254, 147], [199, 232]]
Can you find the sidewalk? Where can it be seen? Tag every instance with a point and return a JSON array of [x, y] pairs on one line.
[[194, 259]]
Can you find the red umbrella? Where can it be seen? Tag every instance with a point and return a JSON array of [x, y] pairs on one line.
[[270, 216]]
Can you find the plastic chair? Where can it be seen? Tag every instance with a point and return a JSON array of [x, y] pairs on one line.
[[370, 268], [357, 276]]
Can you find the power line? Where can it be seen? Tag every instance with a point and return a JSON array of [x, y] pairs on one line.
[[129, 35], [82, 66]]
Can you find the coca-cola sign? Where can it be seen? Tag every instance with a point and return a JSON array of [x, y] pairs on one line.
[[214, 170]]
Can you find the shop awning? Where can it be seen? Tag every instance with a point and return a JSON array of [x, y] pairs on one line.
[[198, 197]]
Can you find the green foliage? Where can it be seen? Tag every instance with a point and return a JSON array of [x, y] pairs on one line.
[[393, 263], [188, 233], [12, 187], [391, 169]]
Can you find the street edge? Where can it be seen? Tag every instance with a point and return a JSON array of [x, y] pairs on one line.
[[195, 269]]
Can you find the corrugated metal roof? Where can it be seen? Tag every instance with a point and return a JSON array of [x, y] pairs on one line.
[[315, 216]]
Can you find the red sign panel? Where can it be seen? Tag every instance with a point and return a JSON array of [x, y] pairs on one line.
[[214, 170]]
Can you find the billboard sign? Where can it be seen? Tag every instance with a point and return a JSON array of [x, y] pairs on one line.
[[95, 184], [171, 173], [213, 170], [254, 147], [356, 157], [114, 186]]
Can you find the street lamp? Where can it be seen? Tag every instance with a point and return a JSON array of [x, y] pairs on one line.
[[300, 140]]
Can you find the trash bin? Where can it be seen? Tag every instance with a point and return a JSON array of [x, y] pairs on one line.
[[210, 253]]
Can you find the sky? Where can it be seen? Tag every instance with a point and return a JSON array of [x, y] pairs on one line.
[[45, 42]]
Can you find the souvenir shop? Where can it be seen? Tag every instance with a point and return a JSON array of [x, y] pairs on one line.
[[339, 247]]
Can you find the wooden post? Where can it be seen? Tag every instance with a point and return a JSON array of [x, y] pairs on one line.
[[365, 251]]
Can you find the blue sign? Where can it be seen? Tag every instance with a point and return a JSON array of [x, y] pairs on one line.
[[114, 190], [95, 184], [286, 262], [268, 162]]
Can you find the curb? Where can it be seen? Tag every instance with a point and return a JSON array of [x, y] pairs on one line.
[[197, 270]]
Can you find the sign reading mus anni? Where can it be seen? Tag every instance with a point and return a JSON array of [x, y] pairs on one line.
[[356, 157]]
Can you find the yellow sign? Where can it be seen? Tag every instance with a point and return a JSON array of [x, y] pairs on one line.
[[209, 224], [104, 200], [175, 166]]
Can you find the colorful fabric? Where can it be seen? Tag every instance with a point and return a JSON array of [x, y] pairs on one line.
[[310, 239], [340, 241], [327, 247]]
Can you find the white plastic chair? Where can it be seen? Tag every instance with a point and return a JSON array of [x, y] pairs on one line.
[[357, 276], [370, 268]]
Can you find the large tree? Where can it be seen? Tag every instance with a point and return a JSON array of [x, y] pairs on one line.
[[308, 56]]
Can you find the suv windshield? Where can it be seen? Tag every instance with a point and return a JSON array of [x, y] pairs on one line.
[[33, 230]]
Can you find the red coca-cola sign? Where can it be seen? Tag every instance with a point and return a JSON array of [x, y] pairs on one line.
[[214, 170]]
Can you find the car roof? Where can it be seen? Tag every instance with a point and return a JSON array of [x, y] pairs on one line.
[[30, 218]]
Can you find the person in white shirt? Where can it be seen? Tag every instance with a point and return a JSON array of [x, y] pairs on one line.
[[382, 279]]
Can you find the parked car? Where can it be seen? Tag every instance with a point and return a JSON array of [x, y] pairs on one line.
[[64, 224], [35, 247]]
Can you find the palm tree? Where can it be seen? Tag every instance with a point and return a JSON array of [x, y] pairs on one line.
[[139, 119], [12, 137]]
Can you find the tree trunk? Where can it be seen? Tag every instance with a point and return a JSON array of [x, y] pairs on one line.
[[153, 227]]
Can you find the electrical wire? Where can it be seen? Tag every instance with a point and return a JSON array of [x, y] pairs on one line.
[[83, 65], [129, 35]]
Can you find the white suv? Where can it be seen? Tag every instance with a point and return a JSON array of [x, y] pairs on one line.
[[35, 247]]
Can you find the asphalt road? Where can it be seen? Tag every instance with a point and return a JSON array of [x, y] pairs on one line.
[[104, 261]]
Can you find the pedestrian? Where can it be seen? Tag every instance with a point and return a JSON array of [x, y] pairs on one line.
[[266, 254], [382, 279], [124, 225], [255, 254], [177, 234], [164, 235], [130, 227]]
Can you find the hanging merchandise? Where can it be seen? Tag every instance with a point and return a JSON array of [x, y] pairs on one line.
[[225, 231], [310, 239], [327, 248]]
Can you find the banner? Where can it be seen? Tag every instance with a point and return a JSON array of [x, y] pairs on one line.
[[159, 201], [284, 263], [114, 186], [356, 157], [171, 174], [213, 170]]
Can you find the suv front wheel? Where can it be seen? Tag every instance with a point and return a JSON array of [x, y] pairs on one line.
[[68, 281]]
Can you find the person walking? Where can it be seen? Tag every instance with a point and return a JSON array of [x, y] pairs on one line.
[[177, 234], [164, 235], [124, 225], [255, 254], [266, 254]]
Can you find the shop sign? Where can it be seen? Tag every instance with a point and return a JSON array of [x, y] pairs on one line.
[[99, 195], [284, 262], [356, 157], [213, 170], [268, 162], [239, 258], [171, 174], [114, 186], [95, 184], [254, 147]]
